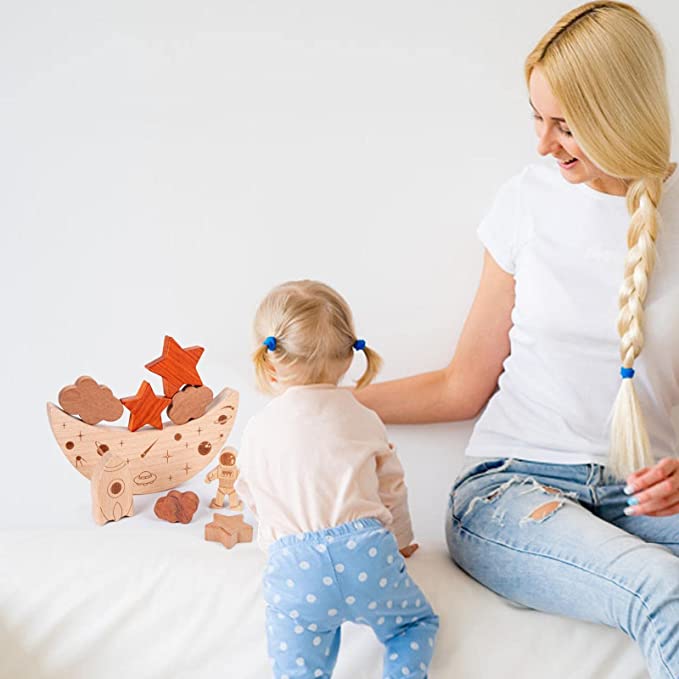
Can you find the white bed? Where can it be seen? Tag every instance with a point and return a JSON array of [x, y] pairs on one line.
[[146, 599]]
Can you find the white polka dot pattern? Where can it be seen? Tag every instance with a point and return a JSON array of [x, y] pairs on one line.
[[313, 585]]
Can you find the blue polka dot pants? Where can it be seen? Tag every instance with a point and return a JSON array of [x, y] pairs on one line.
[[316, 581]]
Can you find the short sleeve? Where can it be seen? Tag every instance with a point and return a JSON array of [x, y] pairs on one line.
[[499, 229]]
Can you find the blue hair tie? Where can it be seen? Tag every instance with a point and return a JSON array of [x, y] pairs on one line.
[[627, 373], [359, 344], [270, 343]]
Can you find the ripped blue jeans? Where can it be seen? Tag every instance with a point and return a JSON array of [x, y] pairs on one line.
[[523, 529]]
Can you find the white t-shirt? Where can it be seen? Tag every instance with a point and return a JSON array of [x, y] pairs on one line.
[[565, 244]]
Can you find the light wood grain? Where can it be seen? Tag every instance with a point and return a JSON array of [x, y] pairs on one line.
[[158, 459], [111, 487], [229, 530]]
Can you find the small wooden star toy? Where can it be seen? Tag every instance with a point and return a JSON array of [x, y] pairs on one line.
[[145, 407], [229, 530], [177, 366]]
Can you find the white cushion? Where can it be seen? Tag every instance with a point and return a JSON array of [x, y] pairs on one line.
[[106, 603]]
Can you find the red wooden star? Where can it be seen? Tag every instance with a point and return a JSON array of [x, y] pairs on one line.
[[177, 366], [145, 408]]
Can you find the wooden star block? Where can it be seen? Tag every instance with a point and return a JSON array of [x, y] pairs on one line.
[[145, 408], [177, 366], [229, 530]]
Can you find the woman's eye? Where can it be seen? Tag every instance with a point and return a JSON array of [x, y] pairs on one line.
[[568, 133]]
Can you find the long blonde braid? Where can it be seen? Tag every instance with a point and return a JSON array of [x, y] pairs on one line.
[[604, 63]]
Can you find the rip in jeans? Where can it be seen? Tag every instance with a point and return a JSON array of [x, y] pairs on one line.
[[539, 514]]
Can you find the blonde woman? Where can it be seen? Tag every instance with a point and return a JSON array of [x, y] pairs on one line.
[[571, 503], [327, 488]]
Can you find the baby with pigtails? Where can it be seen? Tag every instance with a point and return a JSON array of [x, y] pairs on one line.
[[323, 480]]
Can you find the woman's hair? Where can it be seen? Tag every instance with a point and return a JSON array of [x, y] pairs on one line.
[[605, 66], [314, 337]]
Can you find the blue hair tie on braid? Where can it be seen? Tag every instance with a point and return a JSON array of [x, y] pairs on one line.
[[626, 373], [270, 343], [359, 344]]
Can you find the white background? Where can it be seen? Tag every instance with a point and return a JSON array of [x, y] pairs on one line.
[[163, 164]]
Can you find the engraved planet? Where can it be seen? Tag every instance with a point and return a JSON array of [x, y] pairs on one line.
[[158, 459]]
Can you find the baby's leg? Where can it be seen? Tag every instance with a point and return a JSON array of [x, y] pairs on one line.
[[297, 651], [303, 608], [406, 624], [378, 591]]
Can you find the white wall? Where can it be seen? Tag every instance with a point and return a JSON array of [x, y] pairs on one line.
[[163, 164]]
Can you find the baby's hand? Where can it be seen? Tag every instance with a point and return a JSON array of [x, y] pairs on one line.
[[409, 550]]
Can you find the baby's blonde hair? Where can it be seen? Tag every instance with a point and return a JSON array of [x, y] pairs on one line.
[[314, 337], [605, 66]]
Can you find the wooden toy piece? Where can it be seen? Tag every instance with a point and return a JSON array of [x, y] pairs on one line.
[[159, 460], [189, 403], [176, 507], [227, 473], [91, 401], [229, 530], [177, 366], [145, 408], [111, 485], [215, 533]]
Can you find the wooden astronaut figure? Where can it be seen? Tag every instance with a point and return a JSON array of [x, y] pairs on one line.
[[227, 473]]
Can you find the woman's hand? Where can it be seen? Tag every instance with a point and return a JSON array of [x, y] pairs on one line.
[[654, 490]]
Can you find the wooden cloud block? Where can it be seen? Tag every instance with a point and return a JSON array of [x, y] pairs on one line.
[[177, 366], [229, 530], [189, 403], [111, 485], [91, 401], [176, 507], [159, 459]]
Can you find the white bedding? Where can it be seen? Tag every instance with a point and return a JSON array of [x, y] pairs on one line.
[[142, 598], [141, 604]]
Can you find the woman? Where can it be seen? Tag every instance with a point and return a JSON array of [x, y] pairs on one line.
[[548, 518]]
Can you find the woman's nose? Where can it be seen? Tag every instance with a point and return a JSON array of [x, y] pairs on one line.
[[547, 141]]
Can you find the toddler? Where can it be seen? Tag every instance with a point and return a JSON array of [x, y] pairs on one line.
[[325, 484]]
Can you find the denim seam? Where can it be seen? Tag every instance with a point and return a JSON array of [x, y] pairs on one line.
[[581, 568]]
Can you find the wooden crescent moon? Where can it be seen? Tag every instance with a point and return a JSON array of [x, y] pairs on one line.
[[159, 459]]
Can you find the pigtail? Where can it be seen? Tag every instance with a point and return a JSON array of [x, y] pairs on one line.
[[630, 447], [311, 341], [373, 365], [262, 368]]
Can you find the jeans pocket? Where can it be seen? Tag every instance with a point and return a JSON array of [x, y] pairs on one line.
[[478, 469], [477, 481]]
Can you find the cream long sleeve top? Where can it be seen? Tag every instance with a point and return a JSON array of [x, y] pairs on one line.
[[315, 458]]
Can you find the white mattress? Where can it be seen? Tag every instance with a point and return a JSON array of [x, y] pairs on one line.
[[108, 603]]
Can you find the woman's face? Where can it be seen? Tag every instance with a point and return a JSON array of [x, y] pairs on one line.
[[555, 139]]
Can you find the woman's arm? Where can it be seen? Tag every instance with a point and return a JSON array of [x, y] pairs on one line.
[[459, 391]]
